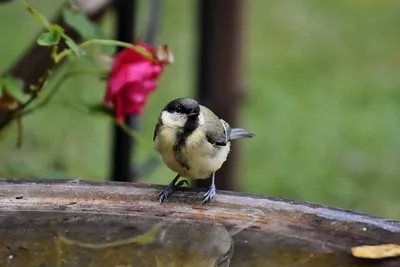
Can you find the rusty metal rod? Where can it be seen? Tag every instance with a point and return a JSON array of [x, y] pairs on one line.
[[219, 81], [123, 143]]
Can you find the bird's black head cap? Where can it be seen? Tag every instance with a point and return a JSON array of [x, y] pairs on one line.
[[186, 106]]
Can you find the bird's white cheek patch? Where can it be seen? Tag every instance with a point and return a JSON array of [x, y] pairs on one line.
[[201, 118], [173, 119]]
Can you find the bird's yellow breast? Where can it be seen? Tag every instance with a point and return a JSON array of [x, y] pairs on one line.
[[202, 157]]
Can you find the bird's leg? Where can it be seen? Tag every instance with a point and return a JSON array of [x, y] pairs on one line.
[[164, 194], [211, 191]]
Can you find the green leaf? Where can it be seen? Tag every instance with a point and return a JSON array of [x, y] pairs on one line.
[[73, 46], [52, 37], [78, 21], [54, 33], [14, 87], [37, 15]]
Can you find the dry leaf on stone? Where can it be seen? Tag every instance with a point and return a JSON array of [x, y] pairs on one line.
[[376, 252]]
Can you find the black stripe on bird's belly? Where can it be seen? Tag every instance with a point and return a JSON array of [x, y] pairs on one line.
[[181, 138]]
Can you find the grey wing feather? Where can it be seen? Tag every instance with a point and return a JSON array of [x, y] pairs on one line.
[[240, 133], [219, 132]]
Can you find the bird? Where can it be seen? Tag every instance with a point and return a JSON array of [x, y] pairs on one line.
[[193, 142]]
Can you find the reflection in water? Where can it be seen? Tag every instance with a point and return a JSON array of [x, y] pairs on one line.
[[196, 244], [172, 244]]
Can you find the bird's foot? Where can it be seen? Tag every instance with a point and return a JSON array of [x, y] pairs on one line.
[[209, 194], [164, 194]]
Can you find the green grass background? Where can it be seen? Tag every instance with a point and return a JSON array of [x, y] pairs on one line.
[[323, 98]]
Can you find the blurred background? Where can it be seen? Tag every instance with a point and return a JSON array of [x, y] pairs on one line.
[[322, 95]]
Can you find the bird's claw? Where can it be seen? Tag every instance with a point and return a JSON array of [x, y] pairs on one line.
[[209, 194], [164, 194]]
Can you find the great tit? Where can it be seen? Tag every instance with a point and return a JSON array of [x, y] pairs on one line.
[[193, 142]]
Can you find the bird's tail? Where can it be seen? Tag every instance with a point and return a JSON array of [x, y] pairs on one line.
[[237, 133]]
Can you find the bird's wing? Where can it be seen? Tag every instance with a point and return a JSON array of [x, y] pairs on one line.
[[217, 130]]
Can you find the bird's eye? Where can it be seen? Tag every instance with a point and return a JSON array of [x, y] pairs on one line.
[[179, 109]]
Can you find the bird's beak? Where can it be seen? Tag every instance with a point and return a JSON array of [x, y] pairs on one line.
[[193, 114]]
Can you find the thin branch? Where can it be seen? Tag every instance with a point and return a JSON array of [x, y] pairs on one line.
[[139, 49]]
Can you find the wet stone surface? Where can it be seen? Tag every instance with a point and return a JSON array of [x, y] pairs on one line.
[[72, 223]]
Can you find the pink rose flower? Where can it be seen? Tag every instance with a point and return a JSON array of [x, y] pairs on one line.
[[133, 77]]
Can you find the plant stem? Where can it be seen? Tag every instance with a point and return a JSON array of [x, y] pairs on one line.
[[139, 49]]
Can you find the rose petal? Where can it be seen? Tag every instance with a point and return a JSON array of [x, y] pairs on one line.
[[128, 56], [133, 77], [150, 85], [137, 98], [129, 74], [119, 108]]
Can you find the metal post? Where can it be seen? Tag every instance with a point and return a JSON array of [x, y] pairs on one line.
[[152, 21], [219, 75], [123, 143]]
